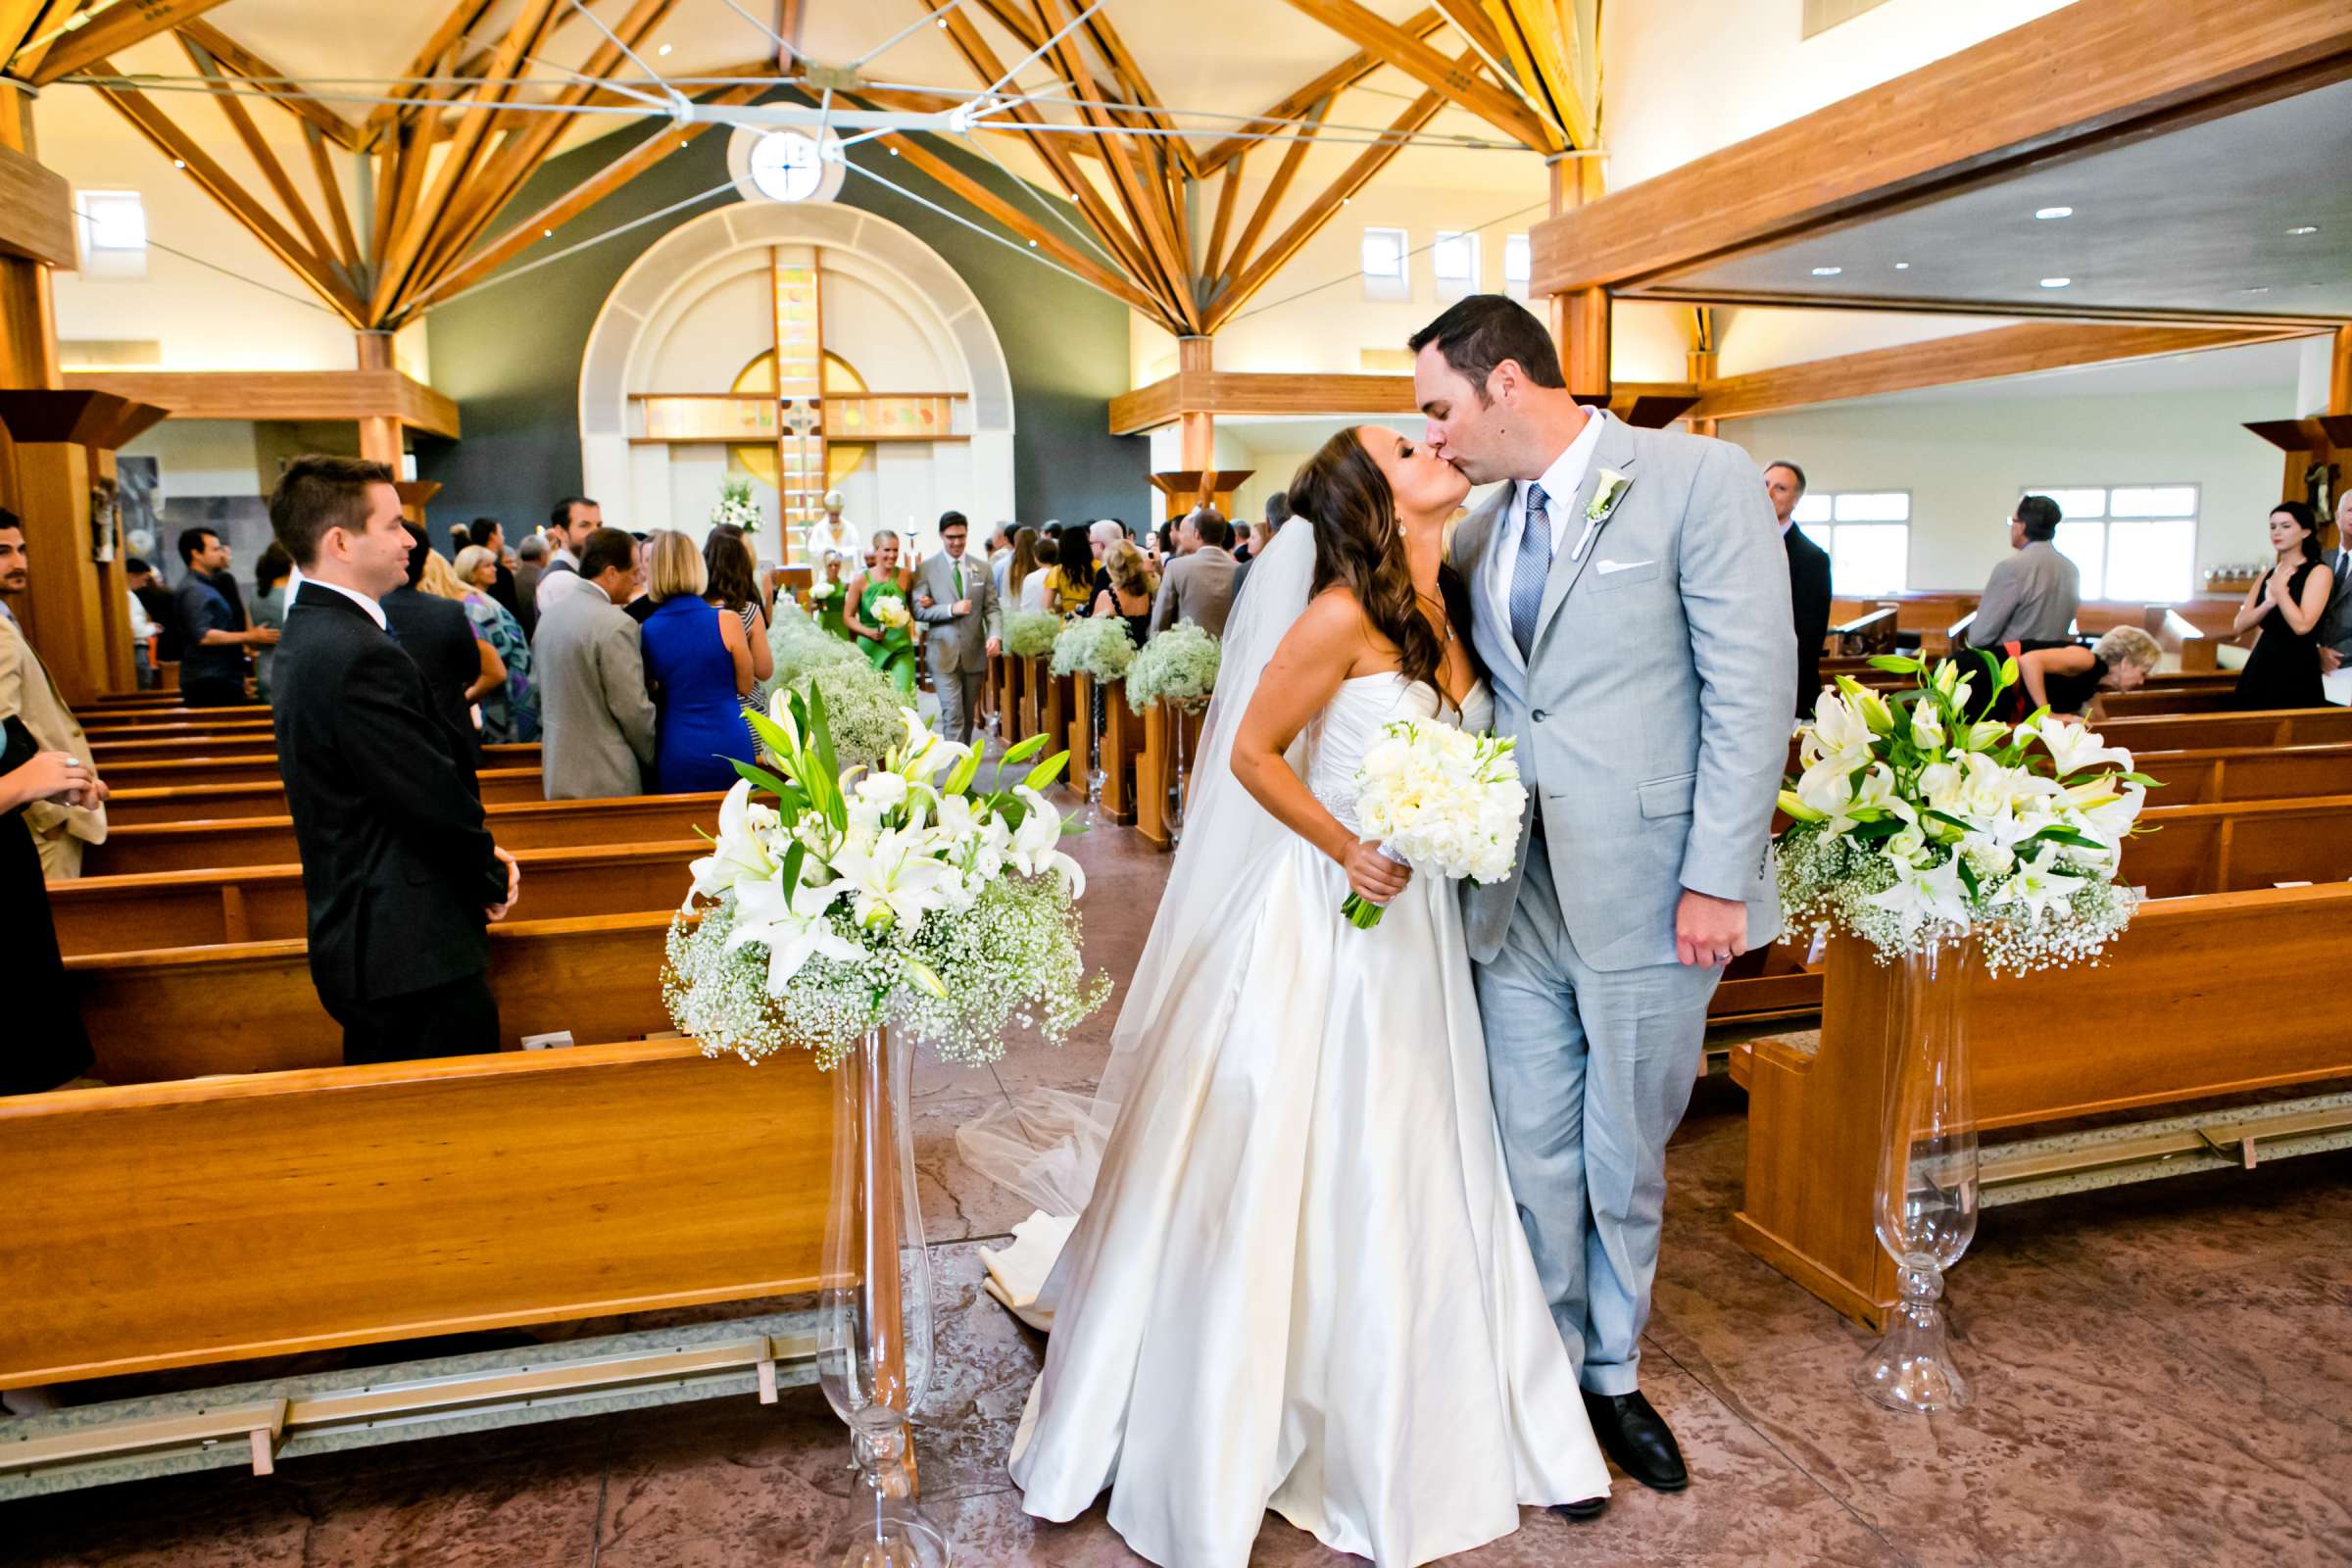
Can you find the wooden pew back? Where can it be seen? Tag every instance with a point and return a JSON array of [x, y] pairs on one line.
[[2241, 846], [2285, 726], [2247, 773], [197, 803], [178, 1224]]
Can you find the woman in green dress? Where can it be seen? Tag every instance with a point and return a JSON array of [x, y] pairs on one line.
[[827, 595], [885, 636]]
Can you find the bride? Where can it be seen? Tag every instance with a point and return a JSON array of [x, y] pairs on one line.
[[1300, 1282]]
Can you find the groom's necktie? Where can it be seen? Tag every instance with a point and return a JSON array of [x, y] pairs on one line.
[[1532, 570]]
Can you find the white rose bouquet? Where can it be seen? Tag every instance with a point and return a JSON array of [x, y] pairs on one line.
[[895, 894], [1917, 822], [1441, 800], [822, 593], [891, 610]]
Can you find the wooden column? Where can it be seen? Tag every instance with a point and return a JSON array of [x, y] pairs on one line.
[[1698, 369], [1586, 360], [1574, 183], [36, 234], [381, 438], [1196, 431]]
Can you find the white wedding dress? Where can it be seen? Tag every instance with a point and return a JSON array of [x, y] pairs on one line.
[[1300, 1282]]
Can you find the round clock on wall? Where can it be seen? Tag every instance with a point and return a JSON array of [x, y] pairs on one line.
[[784, 166]]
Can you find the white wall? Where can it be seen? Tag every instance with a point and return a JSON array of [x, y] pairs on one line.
[[1964, 461]]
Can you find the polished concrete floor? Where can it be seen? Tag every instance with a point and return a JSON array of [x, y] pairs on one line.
[[2164, 1374]]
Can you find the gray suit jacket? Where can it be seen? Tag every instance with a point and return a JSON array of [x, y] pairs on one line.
[[2335, 629], [596, 718], [1197, 588], [2032, 596], [958, 641], [1653, 719]]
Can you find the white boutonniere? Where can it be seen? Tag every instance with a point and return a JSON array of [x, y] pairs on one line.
[[1606, 496]]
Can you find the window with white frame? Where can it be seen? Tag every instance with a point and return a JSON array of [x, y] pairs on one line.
[[1867, 533], [2134, 542], [1454, 262], [113, 233], [1518, 264], [1385, 275]]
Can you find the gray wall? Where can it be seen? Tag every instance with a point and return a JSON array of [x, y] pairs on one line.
[[510, 354]]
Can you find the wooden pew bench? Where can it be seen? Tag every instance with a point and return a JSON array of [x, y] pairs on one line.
[[2247, 773], [160, 1014], [2162, 1024], [2284, 727], [177, 1224], [501, 786], [265, 902]]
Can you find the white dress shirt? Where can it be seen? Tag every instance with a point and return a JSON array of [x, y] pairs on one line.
[[376, 612], [1560, 482]]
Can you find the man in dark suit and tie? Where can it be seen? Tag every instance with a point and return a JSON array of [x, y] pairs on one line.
[[398, 867], [1808, 580]]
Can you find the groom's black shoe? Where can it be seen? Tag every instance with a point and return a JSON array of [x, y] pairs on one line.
[[1582, 1510], [1637, 1438]]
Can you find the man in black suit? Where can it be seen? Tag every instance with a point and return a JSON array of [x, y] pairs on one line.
[[1808, 580], [398, 868], [436, 633]]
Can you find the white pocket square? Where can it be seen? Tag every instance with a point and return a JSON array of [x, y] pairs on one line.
[[1605, 567]]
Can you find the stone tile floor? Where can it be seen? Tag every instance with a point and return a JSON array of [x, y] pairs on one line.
[[2163, 1371]]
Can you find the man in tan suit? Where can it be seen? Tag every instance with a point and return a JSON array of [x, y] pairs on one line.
[[28, 693], [1198, 585]]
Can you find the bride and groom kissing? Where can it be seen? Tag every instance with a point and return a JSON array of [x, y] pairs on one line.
[[1372, 1237]]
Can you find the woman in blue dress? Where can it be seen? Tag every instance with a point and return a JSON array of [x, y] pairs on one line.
[[698, 665]]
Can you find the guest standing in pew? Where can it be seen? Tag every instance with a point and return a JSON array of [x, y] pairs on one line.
[[28, 693], [698, 661], [1130, 594], [2335, 635], [569, 526], [161, 612], [1808, 579], [2064, 678], [270, 589], [486, 534], [530, 558], [212, 634], [596, 716], [398, 867], [1198, 585], [2033, 596], [511, 708], [432, 630], [2283, 670], [731, 583], [46, 1045], [1069, 586], [1261, 535]]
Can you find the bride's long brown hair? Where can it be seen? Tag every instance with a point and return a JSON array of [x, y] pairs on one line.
[[1359, 544]]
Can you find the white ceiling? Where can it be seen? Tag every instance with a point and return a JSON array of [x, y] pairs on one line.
[[2269, 367]]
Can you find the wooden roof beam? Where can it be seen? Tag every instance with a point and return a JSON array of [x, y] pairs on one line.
[[22, 22], [463, 18], [240, 60], [1456, 81], [1280, 115], [117, 27], [257, 147]]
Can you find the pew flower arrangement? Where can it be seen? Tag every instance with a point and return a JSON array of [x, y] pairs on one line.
[[1179, 665], [1096, 646], [1029, 632], [735, 504], [897, 895], [861, 705], [1916, 821]]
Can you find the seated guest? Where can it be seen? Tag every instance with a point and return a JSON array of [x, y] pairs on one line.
[[45, 1045], [433, 630], [2033, 596], [510, 709], [269, 574], [1808, 580], [530, 559], [29, 694], [162, 615], [212, 634], [731, 578], [2283, 670], [2064, 678], [1199, 584], [596, 718], [485, 533], [398, 868], [1129, 596], [697, 658]]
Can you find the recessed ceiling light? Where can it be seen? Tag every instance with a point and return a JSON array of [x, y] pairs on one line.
[[2304, 228], [2259, 288], [2053, 212], [1902, 266], [664, 49], [1826, 271], [178, 163], [2056, 282]]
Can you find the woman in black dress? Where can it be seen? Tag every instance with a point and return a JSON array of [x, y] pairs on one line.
[[46, 1046], [2283, 670], [1131, 591], [2064, 677]]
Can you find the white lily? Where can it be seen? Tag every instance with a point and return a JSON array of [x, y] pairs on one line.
[[793, 926], [1935, 893], [2038, 884], [1927, 726], [2072, 748], [891, 879], [1840, 726], [740, 853], [1035, 848]]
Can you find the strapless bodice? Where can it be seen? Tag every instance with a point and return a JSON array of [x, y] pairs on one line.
[[1339, 736]]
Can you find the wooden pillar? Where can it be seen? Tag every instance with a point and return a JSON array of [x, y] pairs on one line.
[[1586, 361], [2339, 372], [381, 438], [35, 236], [1574, 183], [1197, 430], [1698, 368]]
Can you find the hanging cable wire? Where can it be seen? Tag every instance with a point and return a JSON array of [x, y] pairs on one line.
[[985, 233], [159, 245], [512, 273]]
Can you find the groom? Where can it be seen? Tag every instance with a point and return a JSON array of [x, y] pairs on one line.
[[1631, 604]]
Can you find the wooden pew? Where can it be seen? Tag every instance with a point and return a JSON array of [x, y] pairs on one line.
[[2186, 695], [115, 719], [177, 1224], [187, 846], [265, 902], [2163, 1021], [254, 730], [2284, 727], [1122, 748], [2247, 773], [167, 1013], [251, 767], [501, 786], [1870, 633]]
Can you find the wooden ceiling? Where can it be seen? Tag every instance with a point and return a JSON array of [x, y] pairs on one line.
[[1161, 213]]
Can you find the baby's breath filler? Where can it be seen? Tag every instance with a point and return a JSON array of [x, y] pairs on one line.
[[1917, 822], [893, 894], [1098, 646], [1029, 632], [1177, 665]]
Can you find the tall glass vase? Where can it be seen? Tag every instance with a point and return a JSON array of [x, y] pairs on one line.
[[1094, 774], [1927, 1184], [875, 1312], [1181, 740]]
